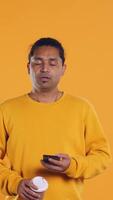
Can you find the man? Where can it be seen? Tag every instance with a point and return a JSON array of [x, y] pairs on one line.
[[49, 121]]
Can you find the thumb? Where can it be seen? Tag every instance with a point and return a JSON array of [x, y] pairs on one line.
[[61, 155], [32, 185]]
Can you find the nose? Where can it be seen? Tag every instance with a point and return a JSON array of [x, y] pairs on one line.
[[45, 67]]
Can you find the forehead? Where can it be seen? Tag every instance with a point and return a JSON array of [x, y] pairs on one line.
[[46, 51]]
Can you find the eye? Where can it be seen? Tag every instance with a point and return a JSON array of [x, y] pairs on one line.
[[53, 62], [37, 61]]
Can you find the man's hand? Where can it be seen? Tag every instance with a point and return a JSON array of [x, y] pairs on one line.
[[26, 193], [58, 165]]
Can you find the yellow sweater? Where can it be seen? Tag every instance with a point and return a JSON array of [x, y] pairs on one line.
[[29, 129]]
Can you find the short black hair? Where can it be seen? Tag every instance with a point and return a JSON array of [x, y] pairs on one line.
[[47, 41]]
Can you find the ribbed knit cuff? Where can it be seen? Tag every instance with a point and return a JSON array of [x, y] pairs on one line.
[[14, 185], [71, 170]]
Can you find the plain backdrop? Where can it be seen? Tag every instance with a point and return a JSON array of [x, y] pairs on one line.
[[85, 28]]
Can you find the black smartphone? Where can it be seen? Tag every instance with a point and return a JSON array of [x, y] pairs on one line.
[[46, 157]]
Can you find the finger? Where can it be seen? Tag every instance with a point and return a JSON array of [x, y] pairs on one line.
[[25, 196], [51, 167], [31, 193], [61, 155], [55, 162], [27, 182], [30, 184], [29, 197]]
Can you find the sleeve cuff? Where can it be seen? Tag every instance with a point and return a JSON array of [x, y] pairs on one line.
[[71, 170], [14, 185]]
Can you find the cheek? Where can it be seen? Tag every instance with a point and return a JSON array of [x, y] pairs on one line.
[[58, 74], [34, 71], [56, 77], [32, 74]]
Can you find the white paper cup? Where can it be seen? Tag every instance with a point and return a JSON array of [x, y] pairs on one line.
[[41, 183]]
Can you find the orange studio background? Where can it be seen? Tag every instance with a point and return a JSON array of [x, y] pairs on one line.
[[85, 27]]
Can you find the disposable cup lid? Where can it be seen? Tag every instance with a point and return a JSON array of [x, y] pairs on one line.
[[41, 183]]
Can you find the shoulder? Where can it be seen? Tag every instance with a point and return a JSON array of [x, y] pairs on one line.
[[79, 101], [81, 105], [13, 102]]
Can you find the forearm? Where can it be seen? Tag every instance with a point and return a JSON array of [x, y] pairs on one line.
[[9, 180], [90, 165], [97, 156]]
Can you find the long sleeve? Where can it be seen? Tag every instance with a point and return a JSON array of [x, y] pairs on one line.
[[97, 152], [9, 179]]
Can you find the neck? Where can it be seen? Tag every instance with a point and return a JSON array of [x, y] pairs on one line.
[[45, 96]]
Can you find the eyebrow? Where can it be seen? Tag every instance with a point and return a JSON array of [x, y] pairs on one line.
[[50, 57], [37, 57]]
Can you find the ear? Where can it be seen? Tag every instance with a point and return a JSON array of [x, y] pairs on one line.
[[64, 66], [28, 68]]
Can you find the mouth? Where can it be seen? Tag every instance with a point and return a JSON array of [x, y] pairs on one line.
[[45, 78]]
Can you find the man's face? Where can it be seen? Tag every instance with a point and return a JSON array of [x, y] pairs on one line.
[[46, 67]]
